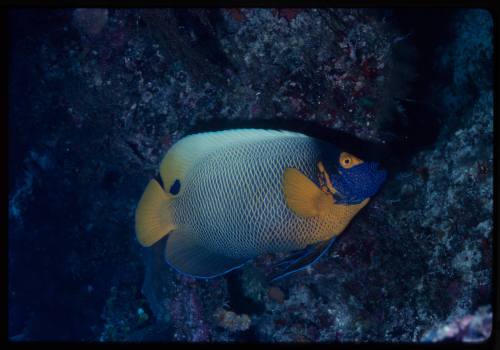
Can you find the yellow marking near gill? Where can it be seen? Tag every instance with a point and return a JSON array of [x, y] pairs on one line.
[[339, 217], [324, 179], [306, 199]]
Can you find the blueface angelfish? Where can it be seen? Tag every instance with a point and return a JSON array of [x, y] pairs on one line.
[[224, 198]]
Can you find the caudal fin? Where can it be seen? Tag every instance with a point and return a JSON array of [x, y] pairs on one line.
[[153, 217]]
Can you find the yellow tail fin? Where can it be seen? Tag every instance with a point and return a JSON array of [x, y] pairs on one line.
[[153, 218]]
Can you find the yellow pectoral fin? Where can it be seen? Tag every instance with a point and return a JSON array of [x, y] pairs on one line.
[[303, 196], [153, 218]]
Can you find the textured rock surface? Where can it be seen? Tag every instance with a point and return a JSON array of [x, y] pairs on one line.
[[469, 329], [98, 96]]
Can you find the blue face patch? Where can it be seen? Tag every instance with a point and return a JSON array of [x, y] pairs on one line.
[[357, 183]]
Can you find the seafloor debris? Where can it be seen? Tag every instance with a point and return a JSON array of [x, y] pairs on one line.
[[231, 321], [276, 294]]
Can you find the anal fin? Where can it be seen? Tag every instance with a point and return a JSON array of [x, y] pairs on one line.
[[191, 258], [300, 261]]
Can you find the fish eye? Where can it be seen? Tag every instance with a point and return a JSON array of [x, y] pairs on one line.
[[348, 160]]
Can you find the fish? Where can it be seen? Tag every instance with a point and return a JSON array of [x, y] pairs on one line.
[[223, 198]]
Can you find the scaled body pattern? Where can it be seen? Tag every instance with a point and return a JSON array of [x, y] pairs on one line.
[[223, 198]]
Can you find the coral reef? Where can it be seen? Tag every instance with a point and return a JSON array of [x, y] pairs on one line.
[[470, 329], [121, 316], [98, 96], [438, 254]]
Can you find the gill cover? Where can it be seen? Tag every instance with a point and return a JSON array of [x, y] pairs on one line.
[[304, 198]]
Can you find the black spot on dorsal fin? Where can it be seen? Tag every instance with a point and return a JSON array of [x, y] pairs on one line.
[[175, 188]]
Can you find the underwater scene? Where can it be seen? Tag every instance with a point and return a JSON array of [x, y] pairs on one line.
[[277, 175]]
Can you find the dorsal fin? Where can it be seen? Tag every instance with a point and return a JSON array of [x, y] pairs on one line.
[[184, 154]]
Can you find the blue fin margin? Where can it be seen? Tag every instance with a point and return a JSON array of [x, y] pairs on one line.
[[205, 278], [298, 261], [320, 249]]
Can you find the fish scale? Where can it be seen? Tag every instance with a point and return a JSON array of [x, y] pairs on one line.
[[257, 220]]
